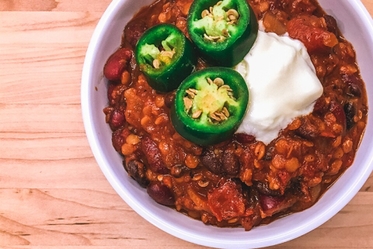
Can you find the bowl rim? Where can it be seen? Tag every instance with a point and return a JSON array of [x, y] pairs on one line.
[[191, 236]]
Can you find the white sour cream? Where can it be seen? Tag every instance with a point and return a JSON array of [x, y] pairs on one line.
[[282, 85]]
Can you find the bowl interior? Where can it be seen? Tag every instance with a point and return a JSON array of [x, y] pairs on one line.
[[356, 25]]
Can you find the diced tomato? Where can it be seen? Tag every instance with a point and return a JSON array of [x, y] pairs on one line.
[[226, 201], [313, 36]]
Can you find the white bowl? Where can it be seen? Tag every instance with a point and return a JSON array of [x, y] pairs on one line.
[[357, 26]]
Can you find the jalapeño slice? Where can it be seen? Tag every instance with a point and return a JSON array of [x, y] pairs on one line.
[[210, 105], [165, 56], [223, 31]]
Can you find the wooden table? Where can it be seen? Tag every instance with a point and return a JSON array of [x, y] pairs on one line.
[[52, 192]]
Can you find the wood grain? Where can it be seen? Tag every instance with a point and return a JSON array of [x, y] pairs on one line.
[[369, 5], [52, 192]]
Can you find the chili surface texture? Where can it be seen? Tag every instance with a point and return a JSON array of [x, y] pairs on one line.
[[241, 181]]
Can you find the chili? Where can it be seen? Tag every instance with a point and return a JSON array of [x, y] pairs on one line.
[[240, 181]]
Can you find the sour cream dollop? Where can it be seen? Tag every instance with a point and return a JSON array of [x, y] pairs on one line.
[[282, 85]]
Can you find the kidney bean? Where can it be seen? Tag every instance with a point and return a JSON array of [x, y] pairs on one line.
[[134, 31], [161, 193], [212, 161], [169, 99], [153, 156], [268, 202], [307, 129], [231, 163], [274, 204], [118, 138], [320, 106], [331, 24], [117, 118], [350, 111], [117, 63], [354, 90], [137, 171], [338, 112], [353, 84], [244, 138], [222, 163]]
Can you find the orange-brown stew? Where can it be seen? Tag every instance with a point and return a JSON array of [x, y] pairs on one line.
[[240, 182]]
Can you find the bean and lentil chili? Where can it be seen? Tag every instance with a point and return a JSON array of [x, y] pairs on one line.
[[241, 181]]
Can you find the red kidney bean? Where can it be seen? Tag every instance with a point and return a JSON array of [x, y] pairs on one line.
[[350, 111], [118, 138], [354, 90], [117, 118], [338, 112], [153, 156], [133, 32], [331, 24], [272, 203], [223, 163], [116, 64], [169, 99], [244, 138], [320, 106], [231, 164], [307, 129], [212, 161], [137, 171], [161, 193], [353, 84]]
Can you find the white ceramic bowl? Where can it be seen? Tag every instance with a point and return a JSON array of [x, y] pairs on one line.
[[355, 23]]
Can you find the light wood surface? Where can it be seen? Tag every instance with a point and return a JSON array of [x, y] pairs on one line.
[[52, 192]]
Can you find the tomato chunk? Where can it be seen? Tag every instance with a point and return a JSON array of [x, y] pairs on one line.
[[311, 32], [226, 201]]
